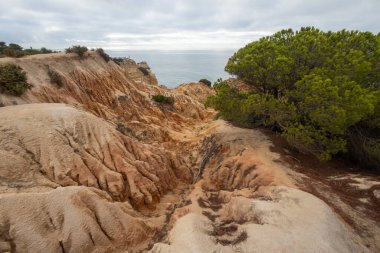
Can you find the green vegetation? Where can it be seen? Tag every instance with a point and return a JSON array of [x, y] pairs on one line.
[[14, 50], [13, 80], [118, 60], [163, 99], [206, 82], [321, 90], [55, 77], [144, 71], [79, 50], [103, 54]]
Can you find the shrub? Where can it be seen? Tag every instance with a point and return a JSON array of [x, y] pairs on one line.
[[12, 53], [44, 50], [103, 54], [229, 102], [32, 51], [13, 80], [14, 50], [15, 47], [163, 99], [312, 86], [79, 50], [118, 60], [55, 77], [206, 82], [144, 71], [2, 47], [364, 147]]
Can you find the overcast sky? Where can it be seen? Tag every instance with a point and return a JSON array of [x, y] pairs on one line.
[[171, 24]]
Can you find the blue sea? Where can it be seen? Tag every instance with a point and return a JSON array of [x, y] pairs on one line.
[[173, 68]]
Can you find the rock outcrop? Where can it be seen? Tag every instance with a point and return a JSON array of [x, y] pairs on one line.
[[75, 181], [289, 220], [57, 145], [139, 72], [97, 166], [109, 91]]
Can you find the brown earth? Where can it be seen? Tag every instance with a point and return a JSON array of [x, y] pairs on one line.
[[97, 166]]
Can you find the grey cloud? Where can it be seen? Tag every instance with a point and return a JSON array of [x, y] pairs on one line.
[[160, 24]]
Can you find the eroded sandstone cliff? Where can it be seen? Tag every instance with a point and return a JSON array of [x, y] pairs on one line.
[[98, 166]]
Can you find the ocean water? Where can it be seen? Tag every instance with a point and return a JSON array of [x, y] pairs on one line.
[[173, 68]]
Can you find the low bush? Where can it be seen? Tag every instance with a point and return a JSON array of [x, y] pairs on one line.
[[103, 54], [55, 77], [14, 50], [118, 60], [364, 146], [32, 51], [144, 71], [9, 52], [44, 50], [206, 82], [13, 80], [79, 50], [163, 99]]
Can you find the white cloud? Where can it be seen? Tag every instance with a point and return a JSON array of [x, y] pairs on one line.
[[167, 24], [53, 28], [221, 39]]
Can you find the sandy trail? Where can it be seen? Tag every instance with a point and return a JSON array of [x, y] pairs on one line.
[[245, 200]]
